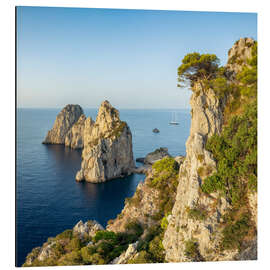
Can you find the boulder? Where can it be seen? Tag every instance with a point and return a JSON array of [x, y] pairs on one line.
[[64, 121]]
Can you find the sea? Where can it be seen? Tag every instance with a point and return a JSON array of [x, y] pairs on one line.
[[49, 200]]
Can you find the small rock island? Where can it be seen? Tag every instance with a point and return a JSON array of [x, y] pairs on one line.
[[63, 123], [107, 152], [107, 143]]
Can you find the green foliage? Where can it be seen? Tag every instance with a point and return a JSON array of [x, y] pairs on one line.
[[192, 250], [67, 234], [197, 67], [197, 213], [134, 227], [74, 244], [236, 153], [235, 231], [104, 235], [72, 258], [143, 257], [248, 76], [164, 222]]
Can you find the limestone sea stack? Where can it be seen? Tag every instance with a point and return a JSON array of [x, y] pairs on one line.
[[63, 123], [75, 136], [107, 152]]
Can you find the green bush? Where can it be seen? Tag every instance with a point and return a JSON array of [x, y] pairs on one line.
[[67, 234], [192, 250], [104, 235], [235, 231], [197, 213]]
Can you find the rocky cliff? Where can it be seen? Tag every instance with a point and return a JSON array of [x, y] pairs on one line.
[[107, 152], [64, 121], [75, 136], [196, 227]]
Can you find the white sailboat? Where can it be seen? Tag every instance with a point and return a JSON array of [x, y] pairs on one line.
[[174, 121]]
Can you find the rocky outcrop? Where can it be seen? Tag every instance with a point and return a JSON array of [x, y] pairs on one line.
[[75, 136], [140, 208], [126, 255], [90, 228], [63, 123], [207, 112], [107, 152], [239, 54]]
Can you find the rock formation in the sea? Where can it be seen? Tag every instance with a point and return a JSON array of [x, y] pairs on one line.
[[155, 130], [107, 152], [75, 136], [63, 123], [196, 225], [152, 157]]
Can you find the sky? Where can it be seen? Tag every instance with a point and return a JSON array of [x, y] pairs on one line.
[[129, 57]]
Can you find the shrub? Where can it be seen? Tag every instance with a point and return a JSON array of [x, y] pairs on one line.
[[235, 231], [192, 250], [67, 234], [135, 227], [142, 257], [104, 235], [197, 213]]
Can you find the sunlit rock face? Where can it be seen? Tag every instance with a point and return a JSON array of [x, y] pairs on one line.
[[64, 121], [107, 152]]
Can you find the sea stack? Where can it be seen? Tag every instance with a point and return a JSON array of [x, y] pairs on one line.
[[75, 136], [107, 152], [63, 123]]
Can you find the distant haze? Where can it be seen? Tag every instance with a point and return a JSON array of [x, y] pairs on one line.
[[129, 57]]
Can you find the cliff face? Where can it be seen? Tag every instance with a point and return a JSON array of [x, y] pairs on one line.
[[75, 136], [107, 152], [196, 216], [63, 123], [207, 111]]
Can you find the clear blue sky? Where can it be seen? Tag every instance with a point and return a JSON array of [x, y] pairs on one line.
[[130, 57]]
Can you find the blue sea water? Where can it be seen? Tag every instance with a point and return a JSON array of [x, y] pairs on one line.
[[48, 198]]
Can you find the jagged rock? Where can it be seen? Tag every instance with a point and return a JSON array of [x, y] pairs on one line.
[[207, 119], [75, 136], [46, 251], [158, 154], [32, 255], [107, 152], [238, 55], [63, 123], [126, 255], [91, 227], [155, 130], [145, 206]]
